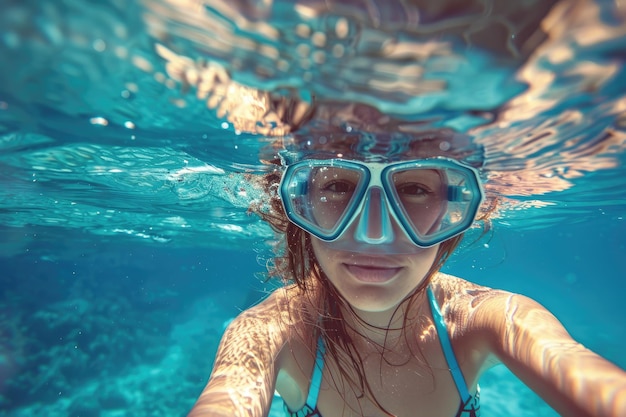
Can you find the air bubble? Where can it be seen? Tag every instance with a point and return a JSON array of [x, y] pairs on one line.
[[99, 45], [342, 28], [101, 121]]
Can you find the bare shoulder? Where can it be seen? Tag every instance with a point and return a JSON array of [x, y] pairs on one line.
[[470, 306], [459, 298], [272, 318], [501, 320], [451, 288]]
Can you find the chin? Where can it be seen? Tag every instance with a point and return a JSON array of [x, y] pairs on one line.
[[373, 299]]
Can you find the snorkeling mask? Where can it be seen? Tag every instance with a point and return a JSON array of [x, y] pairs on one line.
[[431, 200]]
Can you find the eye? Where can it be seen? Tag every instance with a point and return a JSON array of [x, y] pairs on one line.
[[413, 190], [339, 187]]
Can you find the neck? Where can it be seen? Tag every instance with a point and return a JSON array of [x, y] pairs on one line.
[[385, 328]]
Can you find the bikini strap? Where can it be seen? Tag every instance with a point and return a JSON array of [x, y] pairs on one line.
[[316, 378], [446, 346]]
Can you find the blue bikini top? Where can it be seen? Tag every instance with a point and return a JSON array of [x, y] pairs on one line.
[[470, 404]]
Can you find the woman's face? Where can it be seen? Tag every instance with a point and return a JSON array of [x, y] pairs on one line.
[[374, 264], [374, 283]]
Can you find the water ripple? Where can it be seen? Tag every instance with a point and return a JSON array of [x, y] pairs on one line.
[[149, 120]]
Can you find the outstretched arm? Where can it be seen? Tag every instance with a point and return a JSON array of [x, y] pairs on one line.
[[244, 374], [531, 342]]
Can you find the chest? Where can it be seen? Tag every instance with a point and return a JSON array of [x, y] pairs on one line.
[[410, 381], [407, 392]]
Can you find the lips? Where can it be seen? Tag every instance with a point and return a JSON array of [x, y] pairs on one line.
[[373, 273]]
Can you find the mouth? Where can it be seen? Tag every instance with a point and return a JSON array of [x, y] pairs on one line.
[[374, 274]]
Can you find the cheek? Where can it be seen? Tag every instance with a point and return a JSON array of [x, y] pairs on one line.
[[326, 258], [425, 259], [322, 253]]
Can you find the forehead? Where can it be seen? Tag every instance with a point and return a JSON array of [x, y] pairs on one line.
[[380, 147], [361, 132]]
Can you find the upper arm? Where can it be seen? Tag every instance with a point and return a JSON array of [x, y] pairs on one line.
[[531, 342], [243, 377]]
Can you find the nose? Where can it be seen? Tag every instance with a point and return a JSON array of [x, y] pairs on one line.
[[375, 226]]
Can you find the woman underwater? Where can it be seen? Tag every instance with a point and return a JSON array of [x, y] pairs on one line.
[[367, 325]]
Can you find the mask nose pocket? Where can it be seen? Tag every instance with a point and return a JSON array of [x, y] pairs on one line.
[[374, 222]]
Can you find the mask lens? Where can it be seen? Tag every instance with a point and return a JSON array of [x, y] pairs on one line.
[[320, 196], [421, 197], [434, 203]]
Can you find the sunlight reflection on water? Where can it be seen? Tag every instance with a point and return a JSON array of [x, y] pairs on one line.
[[119, 99]]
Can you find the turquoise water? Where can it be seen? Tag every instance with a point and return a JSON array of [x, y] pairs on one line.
[[125, 242]]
